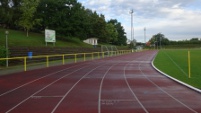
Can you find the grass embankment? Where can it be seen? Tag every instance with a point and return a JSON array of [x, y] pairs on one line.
[[175, 64], [19, 38]]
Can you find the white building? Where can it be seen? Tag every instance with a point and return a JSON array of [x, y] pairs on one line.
[[92, 41]]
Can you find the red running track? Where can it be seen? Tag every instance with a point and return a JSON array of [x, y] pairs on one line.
[[121, 84]]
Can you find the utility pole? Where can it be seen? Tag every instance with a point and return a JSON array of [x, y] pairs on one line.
[[132, 34], [145, 35]]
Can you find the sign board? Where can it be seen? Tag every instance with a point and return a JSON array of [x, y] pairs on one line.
[[50, 35]]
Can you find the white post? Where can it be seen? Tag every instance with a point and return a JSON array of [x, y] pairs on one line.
[[6, 48]]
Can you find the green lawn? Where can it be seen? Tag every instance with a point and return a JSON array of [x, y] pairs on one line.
[[19, 38], [175, 64]]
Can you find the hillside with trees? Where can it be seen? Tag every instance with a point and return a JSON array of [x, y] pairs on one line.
[[69, 18]]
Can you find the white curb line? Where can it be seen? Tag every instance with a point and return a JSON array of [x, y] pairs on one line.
[[191, 87]]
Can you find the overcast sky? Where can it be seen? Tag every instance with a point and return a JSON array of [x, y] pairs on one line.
[[176, 19]]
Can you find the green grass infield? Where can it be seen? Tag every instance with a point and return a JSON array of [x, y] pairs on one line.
[[175, 63]]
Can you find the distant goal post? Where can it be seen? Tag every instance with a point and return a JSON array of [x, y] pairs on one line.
[[109, 50]]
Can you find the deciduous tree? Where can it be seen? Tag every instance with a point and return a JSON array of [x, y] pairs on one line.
[[27, 20], [159, 39]]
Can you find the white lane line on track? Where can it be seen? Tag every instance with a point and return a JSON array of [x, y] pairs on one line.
[[36, 97], [36, 80], [43, 89], [133, 91], [134, 61], [100, 89], [55, 108], [99, 101], [166, 92]]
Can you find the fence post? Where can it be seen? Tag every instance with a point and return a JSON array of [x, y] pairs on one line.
[[47, 61], [103, 54], [25, 63], [189, 64], [63, 59], [75, 58], [84, 56]]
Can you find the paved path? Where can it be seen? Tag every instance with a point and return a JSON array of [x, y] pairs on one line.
[[121, 84]]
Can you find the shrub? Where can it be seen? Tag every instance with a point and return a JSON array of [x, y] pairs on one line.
[[3, 55]]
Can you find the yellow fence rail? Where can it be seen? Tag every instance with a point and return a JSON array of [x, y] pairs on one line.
[[73, 57]]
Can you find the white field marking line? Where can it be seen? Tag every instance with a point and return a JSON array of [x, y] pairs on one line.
[[133, 91], [100, 89], [55, 108], [177, 65], [36, 80], [42, 89], [166, 92]]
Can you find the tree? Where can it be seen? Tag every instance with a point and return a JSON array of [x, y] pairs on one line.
[[6, 13], [27, 20], [67, 17], [16, 13], [112, 33], [99, 27], [194, 39], [121, 38], [159, 39]]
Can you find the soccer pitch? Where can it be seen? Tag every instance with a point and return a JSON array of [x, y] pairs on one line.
[[175, 63]]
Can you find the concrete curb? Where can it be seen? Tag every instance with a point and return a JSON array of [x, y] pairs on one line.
[[191, 87]]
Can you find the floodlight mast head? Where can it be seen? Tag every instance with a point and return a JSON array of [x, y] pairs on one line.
[[6, 32], [131, 11]]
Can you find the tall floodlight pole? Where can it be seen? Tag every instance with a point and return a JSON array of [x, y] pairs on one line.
[[145, 35], [131, 12]]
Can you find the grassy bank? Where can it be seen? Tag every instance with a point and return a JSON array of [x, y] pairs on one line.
[[19, 38], [175, 64]]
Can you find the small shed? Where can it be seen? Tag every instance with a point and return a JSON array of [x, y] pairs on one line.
[[92, 41]]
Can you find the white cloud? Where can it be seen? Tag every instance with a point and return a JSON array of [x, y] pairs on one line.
[[176, 19]]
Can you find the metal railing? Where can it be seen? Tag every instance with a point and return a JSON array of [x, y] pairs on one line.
[[62, 58]]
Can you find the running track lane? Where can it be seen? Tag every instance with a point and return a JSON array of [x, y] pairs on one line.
[[122, 84]]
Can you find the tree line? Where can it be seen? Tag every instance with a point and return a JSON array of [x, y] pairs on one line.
[[160, 40], [68, 18]]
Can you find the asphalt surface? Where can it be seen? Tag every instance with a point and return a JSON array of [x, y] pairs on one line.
[[121, 84]]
